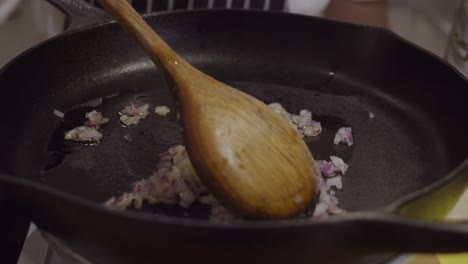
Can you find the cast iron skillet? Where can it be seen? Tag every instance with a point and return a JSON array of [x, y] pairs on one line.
[[339, 71]]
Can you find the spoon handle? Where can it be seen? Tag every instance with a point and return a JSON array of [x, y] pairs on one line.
[[157, 49]]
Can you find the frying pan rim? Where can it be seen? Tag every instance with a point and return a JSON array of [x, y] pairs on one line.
[[384, 214], [112, 22]]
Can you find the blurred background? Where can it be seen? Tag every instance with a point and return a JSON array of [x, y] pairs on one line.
[[436, 25]]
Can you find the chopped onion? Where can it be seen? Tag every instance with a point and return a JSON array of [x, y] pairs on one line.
[[320, 209], [176, 182], [296, 119], [334, 182], [121, 202], [95, 119], [162, 110], [59, 113], [133, 109], [277, 107], [83, 134], [302, 123], [333, 199], [132, 114], [130, 120], [305, 118], [344, 135], [327, 204], [88, 132], [313, 129], [331, 202], [339, 163], [327, 168]]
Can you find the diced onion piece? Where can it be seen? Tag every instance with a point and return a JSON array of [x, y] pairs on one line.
[[334, 182], [302, 123], [327, 168], [344, 135], [174, 182], [305, 118], [122, 202], [89, 132], [83, 134], [295, 119], [95, 118], [320, 209], [133, 110], [277, 107], [313, 129], [130, 120], [336, 210], [59, 113], [162, 110], [340, 164], [186, 198], [132, 114], [331, 201]]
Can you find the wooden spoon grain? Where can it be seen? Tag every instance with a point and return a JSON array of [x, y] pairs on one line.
[[247, 155]]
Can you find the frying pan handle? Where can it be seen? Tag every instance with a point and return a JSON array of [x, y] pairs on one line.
[[415, 223], [427, 210], [79, 13], [435, 202], [13, 229]]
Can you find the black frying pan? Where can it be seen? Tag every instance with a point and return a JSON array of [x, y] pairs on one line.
[[339, 71]]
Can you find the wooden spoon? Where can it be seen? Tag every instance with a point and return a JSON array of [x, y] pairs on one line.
[[248, 156]]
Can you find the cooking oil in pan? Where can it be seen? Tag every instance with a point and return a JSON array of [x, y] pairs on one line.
[[126, 154]]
